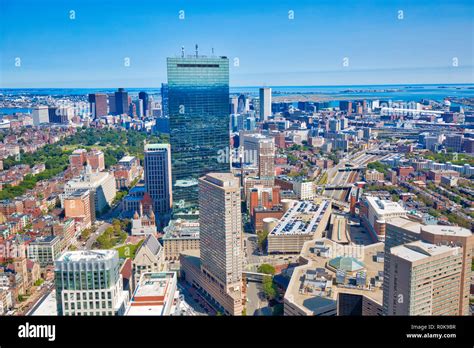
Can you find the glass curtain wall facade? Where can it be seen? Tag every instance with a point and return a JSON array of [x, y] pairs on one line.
[[198, 106], [88, 283]]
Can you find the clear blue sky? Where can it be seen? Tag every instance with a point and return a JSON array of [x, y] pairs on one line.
[[89, 51]]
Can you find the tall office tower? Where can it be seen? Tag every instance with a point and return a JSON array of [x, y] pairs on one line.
[[139, 108], [453, 142], [461, 237], [132, 110], [79, 205], [40, 115], [426, 279], [430, 142], [143, 96], [98, 105], [220, 222], [121, 102], [344, 123], [53, 114], [96, 159], [345, 106], [334, 125], [112, 106], [89, 283], [243, 104], [164, 100], [261, 151], [158, 179], [250, 123], [101, 184], [233, 105], [468, 145], [265, 103], [198, 97], [61, 114], [367, 133], [363, 104], [399, 231]]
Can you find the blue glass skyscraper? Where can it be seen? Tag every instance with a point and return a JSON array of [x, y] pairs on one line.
[[198, 106], [164, 100]]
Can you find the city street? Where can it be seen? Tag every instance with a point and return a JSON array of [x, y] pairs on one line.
[[35, 299], [256, 302], [251, 251], [93, 237]]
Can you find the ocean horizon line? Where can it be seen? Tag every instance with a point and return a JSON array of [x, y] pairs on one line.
[[257, 86]]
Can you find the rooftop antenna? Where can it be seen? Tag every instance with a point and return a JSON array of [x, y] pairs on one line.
[[196, 50], [212, 50], [182, 51]]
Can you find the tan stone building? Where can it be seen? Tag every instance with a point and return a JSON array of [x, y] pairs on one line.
[[426, 279], [79, 205], [148, 258], [217, 270], [180, 235]]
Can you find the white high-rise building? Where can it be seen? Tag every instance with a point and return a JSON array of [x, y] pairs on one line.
[[101, 185], [40, 115], [265, 103], [89, 283], [139, 107], [260, 151]]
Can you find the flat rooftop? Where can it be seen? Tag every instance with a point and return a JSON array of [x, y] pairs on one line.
[[420, 250], [87, 255], [382, 206], [303, 218], [447, 230], [156, 147], [126, 159], [406, 224], [78, 193], [153, 284], [222, 179], [47, 306], [153, 293], [45, 240], [182, 229]]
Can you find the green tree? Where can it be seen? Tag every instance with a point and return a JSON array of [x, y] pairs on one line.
[[261, 239], [269, 288], [266, 268]]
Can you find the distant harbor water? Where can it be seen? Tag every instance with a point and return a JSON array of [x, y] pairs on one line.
[[11, 111], [384, 92]]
